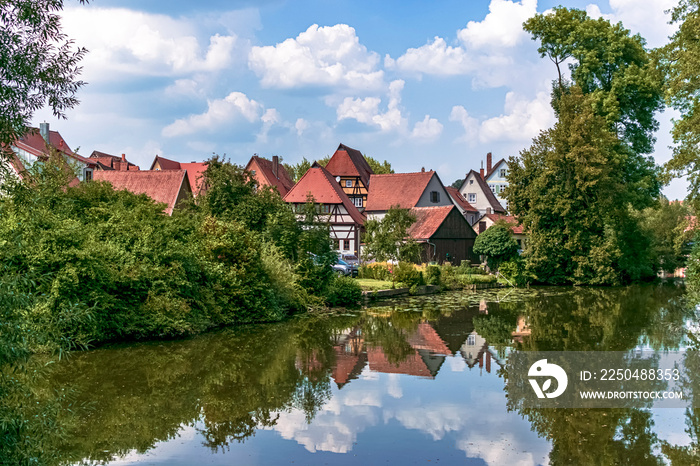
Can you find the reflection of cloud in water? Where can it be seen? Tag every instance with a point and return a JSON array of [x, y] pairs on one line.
[[393, 386], [456, 364], [435, 420], [499, 450]]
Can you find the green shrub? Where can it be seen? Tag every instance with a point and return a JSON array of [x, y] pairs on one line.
[[476, 279], [406, 273], [343, 291], [375, 271], [514, 271], [432, 275]]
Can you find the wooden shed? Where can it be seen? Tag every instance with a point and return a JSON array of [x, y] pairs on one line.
[[444, 235]]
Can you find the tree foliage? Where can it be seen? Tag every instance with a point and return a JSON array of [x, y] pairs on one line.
[[571, 192], [379, 168], [497, 244], [388, 239], [39, 64], [680, 59]]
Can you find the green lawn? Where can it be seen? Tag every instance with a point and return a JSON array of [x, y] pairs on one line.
[[369, 284]]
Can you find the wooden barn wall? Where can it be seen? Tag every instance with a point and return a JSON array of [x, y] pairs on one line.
[[455, 237]]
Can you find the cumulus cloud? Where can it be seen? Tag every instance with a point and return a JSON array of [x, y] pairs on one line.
[[485, 49], [235, 106], [502, 27], [646, 17], [301, 125], [125, 41], [429, 129], [320, 56], [522, 121], [469, 123], [367, 110]]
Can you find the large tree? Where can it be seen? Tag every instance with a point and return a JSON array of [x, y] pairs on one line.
[[39, 65], [387, 239], [681, 62]]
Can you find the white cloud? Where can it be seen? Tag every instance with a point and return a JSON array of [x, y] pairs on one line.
[[235, 106], [502, 27], [646, 17], [522, 121], [367, 110], [184, 87], [301, 125], [435, 57], [320, 56], [429, 129], [124, 41], [469, 123]]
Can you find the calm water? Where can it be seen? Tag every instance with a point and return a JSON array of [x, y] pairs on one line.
[[418, 381]]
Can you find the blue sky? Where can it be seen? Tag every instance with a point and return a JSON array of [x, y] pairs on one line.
[[420, 84]]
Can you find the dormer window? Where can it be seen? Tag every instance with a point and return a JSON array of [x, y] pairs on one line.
[[434, 197]]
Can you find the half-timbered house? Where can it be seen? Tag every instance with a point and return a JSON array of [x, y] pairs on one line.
[[351, 170], [333, 205]]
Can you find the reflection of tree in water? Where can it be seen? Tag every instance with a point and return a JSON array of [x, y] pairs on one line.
[[390, 336], [601, 320]]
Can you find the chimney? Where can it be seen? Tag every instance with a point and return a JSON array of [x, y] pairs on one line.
[[44, 130], [124, 165], [489, 162], [422, 169], [275, 165]]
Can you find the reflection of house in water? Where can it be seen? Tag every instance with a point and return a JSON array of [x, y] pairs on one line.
[[522, 329], [352, 355], [476, 350]]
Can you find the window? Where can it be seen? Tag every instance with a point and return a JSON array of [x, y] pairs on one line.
[[471, 340], [493, 188], [346, 244], [471, 197], [357, 201], [434, 196], [348, 183], [503, 186], [88, 175], [325, 209], [502, 172], [471, 181]]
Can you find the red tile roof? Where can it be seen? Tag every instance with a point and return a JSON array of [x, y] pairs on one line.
[[347, 161], [428, 220], [460, 200], [402, 189], [515, 228], [113, 162], [265, 175], [34, 143], [425, 337], [165, 164], [195, 173], [324, 189], [160, 185]]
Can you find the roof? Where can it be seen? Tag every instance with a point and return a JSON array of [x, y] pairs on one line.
[[426, 338], [195, 173], [324, 189], [515, 228], [165, 164], [493, 169], [111, 162], [265, 175], [396, 189], [412, 364], [495, 205], [459, 200], [347, 161], [34, 143], [428, 220], [160, 185]]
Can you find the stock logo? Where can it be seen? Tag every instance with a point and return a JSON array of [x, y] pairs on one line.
[[542, 369]]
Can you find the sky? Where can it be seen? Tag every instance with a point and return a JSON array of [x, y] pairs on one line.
[[420, 84]]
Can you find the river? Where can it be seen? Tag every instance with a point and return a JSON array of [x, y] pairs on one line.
[[419, 380]]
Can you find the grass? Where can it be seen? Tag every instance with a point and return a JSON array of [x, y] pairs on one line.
[[369, 284]]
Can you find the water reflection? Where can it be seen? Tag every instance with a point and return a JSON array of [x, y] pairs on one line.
[[415, 380]]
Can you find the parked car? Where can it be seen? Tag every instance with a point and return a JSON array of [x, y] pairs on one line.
[[349, 258], [343, 268]]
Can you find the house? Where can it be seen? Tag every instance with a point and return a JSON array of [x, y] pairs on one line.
[[443, 234], [465, 208], [496, 178], [477, 193], [334, 207], [169, 187], [270, 173], [405, 190], [351, 170], [518, 231], [476, 350], [195, 171], [112, 162], [37, 144]]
